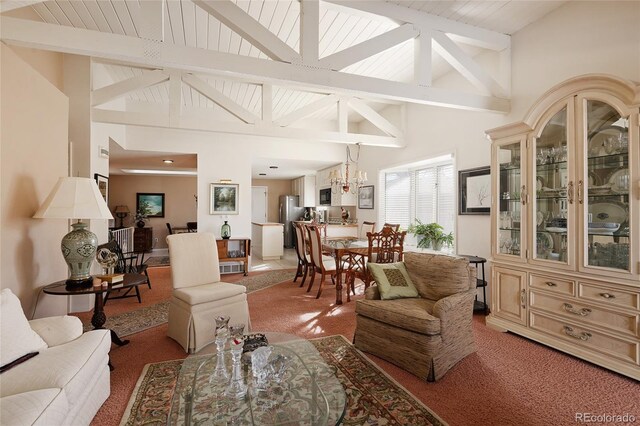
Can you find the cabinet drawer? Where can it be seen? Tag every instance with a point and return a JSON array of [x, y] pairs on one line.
[[609, 296], [552, 284], [585, 314], [585, 337]]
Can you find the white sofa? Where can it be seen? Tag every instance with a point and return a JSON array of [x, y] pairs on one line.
[[65, 383]]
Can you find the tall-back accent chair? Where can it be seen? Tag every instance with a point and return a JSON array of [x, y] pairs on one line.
[[366, 228], [319, 264], [301, 252], [393, 226], [198, 294]]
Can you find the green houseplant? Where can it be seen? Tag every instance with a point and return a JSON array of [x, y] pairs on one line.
[[430, 235]]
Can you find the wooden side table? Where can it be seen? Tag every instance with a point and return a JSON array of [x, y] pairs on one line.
[[99, 317], [481, 282]]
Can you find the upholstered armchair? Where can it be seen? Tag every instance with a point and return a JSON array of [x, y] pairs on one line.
[[198, 294], [428, 334]]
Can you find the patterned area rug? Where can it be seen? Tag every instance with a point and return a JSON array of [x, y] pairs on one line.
[[373, 398], [151, 316], [157, 261]]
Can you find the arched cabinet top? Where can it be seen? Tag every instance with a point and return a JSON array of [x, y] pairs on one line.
[[625, 90]]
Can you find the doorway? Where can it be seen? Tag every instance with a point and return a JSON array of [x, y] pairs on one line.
[[259, 204]]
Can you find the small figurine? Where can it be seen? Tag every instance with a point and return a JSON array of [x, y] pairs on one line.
[[345, 215]]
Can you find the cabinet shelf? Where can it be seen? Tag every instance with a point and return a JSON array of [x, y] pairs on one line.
[[549, 167]]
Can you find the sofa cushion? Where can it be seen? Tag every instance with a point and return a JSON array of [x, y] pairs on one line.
[[70, 366], [393, 280], [409, 314], [208, 292], [436, 275], [16, 336], [38, 407], [57, 330]]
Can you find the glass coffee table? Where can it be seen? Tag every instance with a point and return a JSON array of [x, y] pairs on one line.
[[307, 393]]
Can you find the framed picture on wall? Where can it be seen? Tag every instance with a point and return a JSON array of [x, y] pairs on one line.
[[150, 203], [365, 197], [103, 186], [474, 187], [223, 198]]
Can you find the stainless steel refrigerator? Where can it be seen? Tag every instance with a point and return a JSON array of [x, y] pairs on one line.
[[289, 211]]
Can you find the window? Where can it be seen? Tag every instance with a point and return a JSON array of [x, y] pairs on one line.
[[425, 192]]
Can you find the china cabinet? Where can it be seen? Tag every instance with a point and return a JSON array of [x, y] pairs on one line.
[[565, 222]]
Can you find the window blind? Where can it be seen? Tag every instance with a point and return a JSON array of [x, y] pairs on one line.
[[397, 197]]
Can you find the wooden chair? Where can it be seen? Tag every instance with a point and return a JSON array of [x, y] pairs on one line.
[[169, 229], [394, 226], [319, 264], [124, 265], [301, 252], [366, 228], [386, 246], [192, 226]]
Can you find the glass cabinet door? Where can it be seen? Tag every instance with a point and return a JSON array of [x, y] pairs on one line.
[[608, 186], [510, 196], [553, 192]]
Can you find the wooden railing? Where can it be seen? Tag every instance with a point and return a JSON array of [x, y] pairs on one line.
[[124, 237]]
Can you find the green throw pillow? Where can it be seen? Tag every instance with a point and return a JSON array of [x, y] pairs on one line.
[[393, 280]]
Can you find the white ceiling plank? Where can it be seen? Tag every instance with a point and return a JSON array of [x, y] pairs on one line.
[[84, 14], [214, 31], [331, 38], [366, 49], [136, 51], [422, 59], [250, 29], [113, 91], [289, 30], [341, 8], [217, 97], [374, 118], [202, 28], [309, 27], [211, 125], [44, 13], [7, 5], [306, 111], [97, 15], [470, 34], [58, 13], [353, 36], [111, 16], [70, 13], [465, 65], [120, 6], [189, 22], [175, 17]]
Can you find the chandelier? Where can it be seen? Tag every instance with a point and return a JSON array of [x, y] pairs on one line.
[[348, 183]]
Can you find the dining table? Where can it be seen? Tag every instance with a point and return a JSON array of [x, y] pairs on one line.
[[338, 248]]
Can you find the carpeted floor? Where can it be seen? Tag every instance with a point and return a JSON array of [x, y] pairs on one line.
[[509, 381], [373, 398], [157, 261]]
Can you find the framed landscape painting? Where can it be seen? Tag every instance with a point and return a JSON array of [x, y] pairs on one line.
[[150, 203], [365, 197], [474, 190], [223, 198], [103, 186]]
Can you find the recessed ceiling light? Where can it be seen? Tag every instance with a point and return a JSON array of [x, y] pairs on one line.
[[262, 174], [273, 167], [167, 161]]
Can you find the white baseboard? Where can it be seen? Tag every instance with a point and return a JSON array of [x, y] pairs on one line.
[[160, 252]]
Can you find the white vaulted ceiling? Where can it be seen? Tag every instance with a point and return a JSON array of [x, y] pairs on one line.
[[186, 24]]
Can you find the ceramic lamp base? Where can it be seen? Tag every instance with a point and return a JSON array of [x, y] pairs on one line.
[[79, 250]]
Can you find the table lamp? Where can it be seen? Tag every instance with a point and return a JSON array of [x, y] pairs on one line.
[[121, 212], [76, 198]]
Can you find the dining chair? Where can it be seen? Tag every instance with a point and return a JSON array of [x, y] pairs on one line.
[[320, 264], [192, 226], [366, 228], [302, 253], [394, 226], [169, 228], [125, 264]]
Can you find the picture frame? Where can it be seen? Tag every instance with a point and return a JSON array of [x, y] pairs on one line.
[[103, 186], [366, 197], [153, 202], [223, 198], [474, 191]]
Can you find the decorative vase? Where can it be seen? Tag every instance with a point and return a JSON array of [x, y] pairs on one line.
[[225, 231], [78, 249], [140, 224], [237, 387]]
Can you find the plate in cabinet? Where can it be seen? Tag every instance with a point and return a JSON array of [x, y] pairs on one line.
[[608, 212]]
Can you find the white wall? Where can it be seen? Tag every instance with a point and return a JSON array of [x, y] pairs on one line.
[[578, 38]]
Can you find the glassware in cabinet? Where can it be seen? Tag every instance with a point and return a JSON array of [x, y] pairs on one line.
[[511, 195]]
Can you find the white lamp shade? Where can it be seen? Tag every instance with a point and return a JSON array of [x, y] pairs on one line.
[[74, 198]]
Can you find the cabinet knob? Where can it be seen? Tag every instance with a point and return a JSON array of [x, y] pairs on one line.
[[580, 191], [570, 192], [608, 295], [523, 298], [551, 284]]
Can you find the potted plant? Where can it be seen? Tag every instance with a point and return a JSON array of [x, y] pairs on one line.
[[430, 235], [141, 215]]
